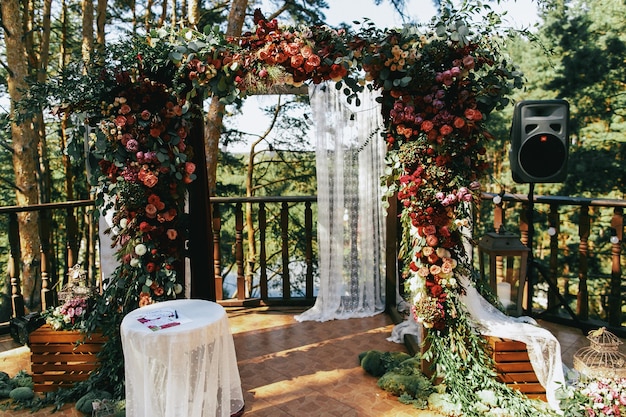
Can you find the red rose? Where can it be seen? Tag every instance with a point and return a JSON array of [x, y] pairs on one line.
[[296, 61], [427, 126]]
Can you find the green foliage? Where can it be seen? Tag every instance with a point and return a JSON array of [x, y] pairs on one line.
[[22, 394], [399, 374], [85, 403], [376, 362]]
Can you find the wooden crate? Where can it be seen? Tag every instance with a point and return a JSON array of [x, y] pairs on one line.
[[514, 367], [59, 358]]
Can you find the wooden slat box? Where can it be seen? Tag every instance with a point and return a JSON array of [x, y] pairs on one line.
[[514, 367], [59, 358]]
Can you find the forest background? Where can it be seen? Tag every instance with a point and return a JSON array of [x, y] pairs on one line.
[[576, 51]]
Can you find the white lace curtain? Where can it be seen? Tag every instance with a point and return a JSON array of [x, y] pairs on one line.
[[351, 227]]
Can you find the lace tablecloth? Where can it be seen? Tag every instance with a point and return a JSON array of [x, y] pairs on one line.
[[180, 361]]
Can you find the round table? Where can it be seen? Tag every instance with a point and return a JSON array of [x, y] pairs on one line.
[[179, 360]]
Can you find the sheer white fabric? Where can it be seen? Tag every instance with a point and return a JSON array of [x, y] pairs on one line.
[[351, 228], [544, 350], [108, 259], [185, 370]]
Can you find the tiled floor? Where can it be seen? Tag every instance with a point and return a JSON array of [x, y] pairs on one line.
[[297, 369]]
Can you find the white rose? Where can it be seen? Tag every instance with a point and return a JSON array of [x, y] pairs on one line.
[[141, 249], [123, 223], [178, 288], [134, 262]]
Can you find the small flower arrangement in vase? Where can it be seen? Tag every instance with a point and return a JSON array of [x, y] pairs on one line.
[[75, 298]]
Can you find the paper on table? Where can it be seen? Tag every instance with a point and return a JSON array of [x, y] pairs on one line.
[[162, 319]]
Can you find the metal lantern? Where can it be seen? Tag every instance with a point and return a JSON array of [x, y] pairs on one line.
[[507, 258]]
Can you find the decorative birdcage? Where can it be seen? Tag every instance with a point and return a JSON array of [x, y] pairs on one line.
[[602, 359], [77, 286]]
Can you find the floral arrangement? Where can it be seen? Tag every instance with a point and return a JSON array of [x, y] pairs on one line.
[[601, 397], [271, 55], [69, 316], [438, 89], [145, 164]]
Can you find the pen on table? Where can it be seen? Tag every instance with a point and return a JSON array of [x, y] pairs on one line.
[[175, 313]]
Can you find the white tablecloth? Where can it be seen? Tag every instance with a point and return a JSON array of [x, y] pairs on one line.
[[187, 370]]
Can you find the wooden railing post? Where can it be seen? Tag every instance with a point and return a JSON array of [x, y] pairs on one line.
[[284, 229], [48, 298], [72, 242], [554, 221], [263, 251], [582, 299], [217, 253], [308, 251], [241, 279], [17, 299], [615, 296]]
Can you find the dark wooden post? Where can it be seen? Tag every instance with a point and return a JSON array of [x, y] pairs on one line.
[[241, 279], [391, 255], [284, 231], [72, 240], [17, 299], [200, 232], [582, 299], [217, 253], [263, 251], [48, 298], [554, 254], [308, 252]]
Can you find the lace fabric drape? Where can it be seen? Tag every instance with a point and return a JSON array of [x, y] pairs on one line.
[[351, 227]]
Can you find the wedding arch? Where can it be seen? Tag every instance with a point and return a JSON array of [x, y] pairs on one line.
[[436, 85]]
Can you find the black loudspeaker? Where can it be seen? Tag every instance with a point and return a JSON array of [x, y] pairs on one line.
[[539, 141]]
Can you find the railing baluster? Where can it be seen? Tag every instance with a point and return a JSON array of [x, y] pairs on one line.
[[72, 233], [217, 252], [17, 300], [241, 279], [262, 251], [47, 295], [308, 253], [582, 300], [284, 228], [553, 219], [615, 296]]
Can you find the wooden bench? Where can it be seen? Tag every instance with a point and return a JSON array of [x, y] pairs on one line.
[[514, 368], [60, 358]]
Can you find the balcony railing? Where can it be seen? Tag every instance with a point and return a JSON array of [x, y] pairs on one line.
[[577, 247]]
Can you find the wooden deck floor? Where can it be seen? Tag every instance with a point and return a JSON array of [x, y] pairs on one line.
[[289, 368]]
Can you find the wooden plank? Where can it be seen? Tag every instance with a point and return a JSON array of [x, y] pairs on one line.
[[61, 378], [509, 378], [500, 357], [530, 388], [62, 357], [514, 367], [47, 368], [66, 348]]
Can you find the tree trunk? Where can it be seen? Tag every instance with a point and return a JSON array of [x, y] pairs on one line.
[[25, 155], [101, 16], [213, 127], [87, 32]]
